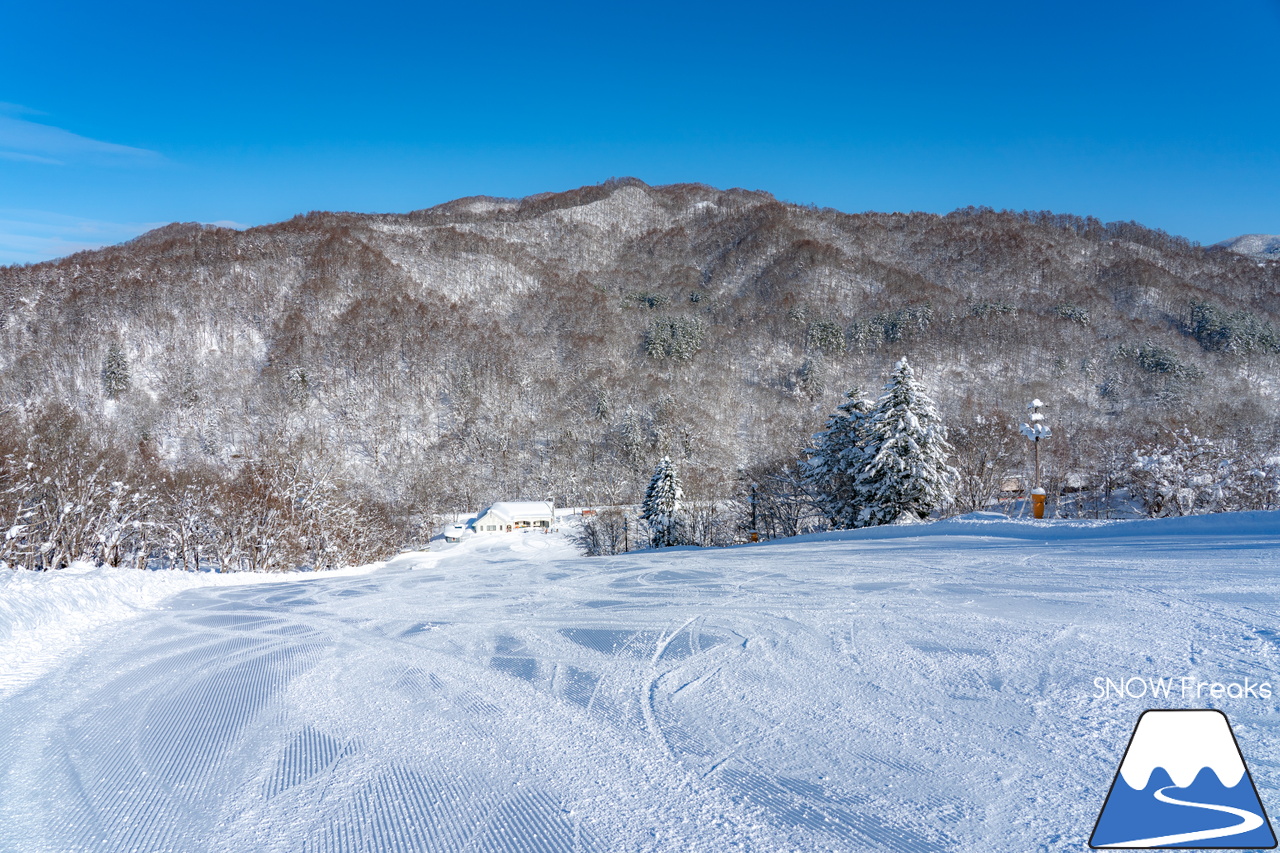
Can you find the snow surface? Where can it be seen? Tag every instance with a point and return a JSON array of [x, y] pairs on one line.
[[918, 688], [46, 616]]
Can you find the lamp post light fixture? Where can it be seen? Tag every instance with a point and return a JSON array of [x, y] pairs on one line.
[[1036, 429]]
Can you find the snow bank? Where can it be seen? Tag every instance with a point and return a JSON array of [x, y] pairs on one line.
[[45, 616], [995, 525]]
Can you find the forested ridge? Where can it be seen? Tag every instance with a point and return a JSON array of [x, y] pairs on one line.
[[383, 369]]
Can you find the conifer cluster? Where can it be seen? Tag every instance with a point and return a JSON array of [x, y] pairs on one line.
[[884, 462]]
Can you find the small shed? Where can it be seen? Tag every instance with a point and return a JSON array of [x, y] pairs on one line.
[[509, 516]]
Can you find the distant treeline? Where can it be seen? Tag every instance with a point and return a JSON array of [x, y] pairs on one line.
[[65, 498]]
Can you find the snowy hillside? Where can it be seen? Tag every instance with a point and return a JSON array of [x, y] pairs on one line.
[[560, 345], [1266, 246], [927, 688]]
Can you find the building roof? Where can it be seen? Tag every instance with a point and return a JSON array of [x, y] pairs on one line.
[[520, 509]]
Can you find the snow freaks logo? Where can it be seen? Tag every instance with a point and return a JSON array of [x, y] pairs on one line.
[[1186, 687], [1183, 783]]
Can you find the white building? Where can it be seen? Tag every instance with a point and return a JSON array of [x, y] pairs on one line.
[[508, 516]]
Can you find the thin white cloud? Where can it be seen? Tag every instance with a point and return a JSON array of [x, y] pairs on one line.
[[29, 141], [31, 236], [30, 158], [18, 109]]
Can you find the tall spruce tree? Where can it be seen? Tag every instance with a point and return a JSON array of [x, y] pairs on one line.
[[116, 376], [662, 505], [905, 444], [834, 463]]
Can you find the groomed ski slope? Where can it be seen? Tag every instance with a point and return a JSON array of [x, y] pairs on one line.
[[914, 689]]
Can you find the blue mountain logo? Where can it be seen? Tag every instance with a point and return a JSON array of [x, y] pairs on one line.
[[1183, 783]]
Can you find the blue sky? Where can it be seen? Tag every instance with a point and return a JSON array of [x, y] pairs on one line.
[[118, 117]]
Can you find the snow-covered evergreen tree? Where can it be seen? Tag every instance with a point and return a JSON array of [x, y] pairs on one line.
[[834, 463], [116, 375], [662, 505], [906, 471]]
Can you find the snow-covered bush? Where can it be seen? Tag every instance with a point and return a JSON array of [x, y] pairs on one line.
[[710, 524], [984, 453], [63, 500], [1186, 475], [778, 501], [604, 533], [1260, 483]]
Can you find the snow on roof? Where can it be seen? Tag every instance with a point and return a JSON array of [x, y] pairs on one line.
[[514, 509]]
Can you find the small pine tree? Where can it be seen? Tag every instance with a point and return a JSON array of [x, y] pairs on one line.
[[661, 508], [297, 387], [811, 378], [116, 377], [834, 463], [906, 472]]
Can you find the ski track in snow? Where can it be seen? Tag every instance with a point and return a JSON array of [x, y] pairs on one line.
[[919, 693]]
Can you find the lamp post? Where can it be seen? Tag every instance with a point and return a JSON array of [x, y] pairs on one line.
[[755, 531], [1036, 429]]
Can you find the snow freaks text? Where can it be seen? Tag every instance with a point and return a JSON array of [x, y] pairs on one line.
[[1185, 687]]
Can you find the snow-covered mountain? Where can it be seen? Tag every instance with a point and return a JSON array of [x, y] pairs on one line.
[[559, 345], [1265, 246]]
